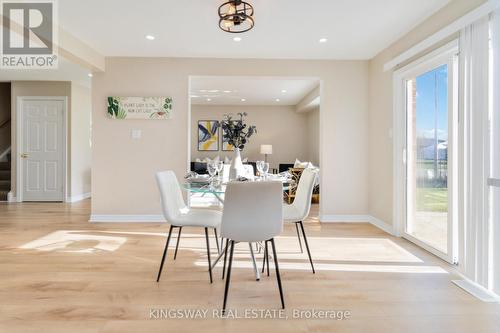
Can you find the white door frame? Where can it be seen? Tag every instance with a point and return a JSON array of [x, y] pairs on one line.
[[19, 141], [426, 62]]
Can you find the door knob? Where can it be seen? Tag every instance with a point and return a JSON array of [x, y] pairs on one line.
[[24, 155]]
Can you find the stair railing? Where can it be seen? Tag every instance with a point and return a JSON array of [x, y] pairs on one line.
[[5, 122], [2, 125]]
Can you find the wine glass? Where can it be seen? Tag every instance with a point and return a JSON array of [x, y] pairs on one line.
[[219, 166], [259, 167], [212, 169], [265, 169]]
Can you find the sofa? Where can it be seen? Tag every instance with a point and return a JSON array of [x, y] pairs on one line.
[[201, 167]]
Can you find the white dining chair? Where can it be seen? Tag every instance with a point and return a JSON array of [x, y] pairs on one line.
[[179, 215], [299, 210], [253, 212]]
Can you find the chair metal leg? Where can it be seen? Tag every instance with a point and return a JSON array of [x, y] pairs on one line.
[[298, 236], [225, 257], [307, 246], [228, 278], [217, 240], [267, 258], [177, 245], [264, 257], [164, 253], [208, 255], [256, 270], [278, 277]]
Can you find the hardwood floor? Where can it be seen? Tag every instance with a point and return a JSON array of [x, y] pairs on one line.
[[59, 273]]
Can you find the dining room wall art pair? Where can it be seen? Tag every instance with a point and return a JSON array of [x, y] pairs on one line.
[[209, 136]]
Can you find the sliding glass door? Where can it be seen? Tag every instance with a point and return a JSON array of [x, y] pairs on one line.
[[430, 128]]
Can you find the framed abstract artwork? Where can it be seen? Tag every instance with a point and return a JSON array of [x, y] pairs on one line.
[[208, 135]]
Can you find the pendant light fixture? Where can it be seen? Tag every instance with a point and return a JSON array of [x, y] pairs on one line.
[[236, 16]]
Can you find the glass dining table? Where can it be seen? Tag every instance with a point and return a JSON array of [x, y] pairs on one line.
[[218, 190]]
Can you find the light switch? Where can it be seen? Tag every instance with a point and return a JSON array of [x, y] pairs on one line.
[[136, 134]]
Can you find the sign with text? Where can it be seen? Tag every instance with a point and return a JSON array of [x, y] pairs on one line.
[[29, 34], [140, 107]]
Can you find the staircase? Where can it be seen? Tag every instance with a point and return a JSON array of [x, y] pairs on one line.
[[5, 178]]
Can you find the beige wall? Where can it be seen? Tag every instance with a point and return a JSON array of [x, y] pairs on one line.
[[313, 136], [280, 126], [123, 169], [81, 154], [381, 105], [5, 110]]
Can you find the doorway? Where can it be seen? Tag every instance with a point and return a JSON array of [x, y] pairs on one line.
[[285, 111], [41, 147], [5, 140]]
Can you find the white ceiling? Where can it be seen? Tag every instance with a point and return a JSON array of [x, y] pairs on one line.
[[224, 90], [355, 29]]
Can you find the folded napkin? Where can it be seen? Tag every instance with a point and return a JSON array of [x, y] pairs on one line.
[[193, 177]]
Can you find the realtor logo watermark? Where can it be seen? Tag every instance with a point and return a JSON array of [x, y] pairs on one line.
[[29, 34], [293, 314]]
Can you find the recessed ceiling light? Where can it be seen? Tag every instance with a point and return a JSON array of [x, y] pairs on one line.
[[243, 100], [237, 39], [283, 91], [323, 40], [90, 75], [209, 99], [277, 99], [227, 91], [150, 37]]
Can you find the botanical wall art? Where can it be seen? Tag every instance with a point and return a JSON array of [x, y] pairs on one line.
[[208, 135], [140, 107]]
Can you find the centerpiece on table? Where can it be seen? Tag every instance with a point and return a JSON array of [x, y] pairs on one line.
[[236, 133]]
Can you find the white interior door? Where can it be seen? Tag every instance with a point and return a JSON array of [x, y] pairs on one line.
[[42, 149]]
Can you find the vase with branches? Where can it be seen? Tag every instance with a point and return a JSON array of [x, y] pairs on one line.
[[237, 134]]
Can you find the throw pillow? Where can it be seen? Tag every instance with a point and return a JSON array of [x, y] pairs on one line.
[[302, 165]]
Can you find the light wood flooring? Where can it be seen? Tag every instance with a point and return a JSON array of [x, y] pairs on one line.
[[59, 273]]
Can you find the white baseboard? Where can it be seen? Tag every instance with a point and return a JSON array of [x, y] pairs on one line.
[[79, 197], [358, 219], [126, 218], [389, 228], [477, 290], [75, 198]]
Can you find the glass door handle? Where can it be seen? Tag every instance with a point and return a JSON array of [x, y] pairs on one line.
[[495, 182]]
